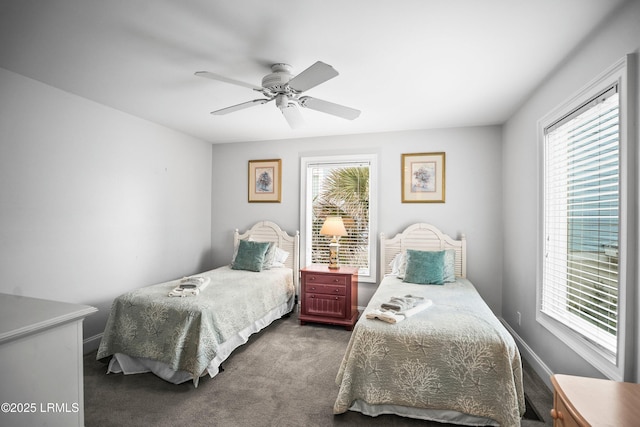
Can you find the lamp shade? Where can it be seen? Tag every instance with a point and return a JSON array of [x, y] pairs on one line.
[[333, 226]]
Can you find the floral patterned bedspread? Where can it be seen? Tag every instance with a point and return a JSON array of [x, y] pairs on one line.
[[453, 355], [185, 332]]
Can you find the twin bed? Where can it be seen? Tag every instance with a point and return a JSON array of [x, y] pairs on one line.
[[183, 338], [451, 362]]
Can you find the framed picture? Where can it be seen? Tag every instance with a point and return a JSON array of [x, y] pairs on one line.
[[423, 178], [265, 180]]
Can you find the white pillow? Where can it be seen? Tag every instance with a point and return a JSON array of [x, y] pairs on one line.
[[281, 256], [399, 265], [270, 256]]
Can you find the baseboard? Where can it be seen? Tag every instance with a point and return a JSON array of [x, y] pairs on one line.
[[527, 353], [91, 344]]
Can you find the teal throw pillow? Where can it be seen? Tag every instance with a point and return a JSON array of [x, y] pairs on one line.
[[250, 255], [425, 267]]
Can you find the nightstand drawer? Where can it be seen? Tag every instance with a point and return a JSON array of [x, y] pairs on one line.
[[320, 288], [324, 305], [326, 279]]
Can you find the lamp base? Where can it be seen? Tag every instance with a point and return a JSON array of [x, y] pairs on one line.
[[333, 254]]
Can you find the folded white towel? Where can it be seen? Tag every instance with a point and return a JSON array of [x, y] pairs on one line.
[[385, 316], [190, 286], [391, 316]]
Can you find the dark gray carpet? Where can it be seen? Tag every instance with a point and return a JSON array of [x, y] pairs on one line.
[[284, 376]]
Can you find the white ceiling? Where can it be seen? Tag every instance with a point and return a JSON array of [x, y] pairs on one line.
[[406, 64]]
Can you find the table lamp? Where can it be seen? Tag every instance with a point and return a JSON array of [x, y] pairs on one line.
[[333, 226]]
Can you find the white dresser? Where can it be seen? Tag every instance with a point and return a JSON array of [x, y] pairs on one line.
[[41, 373]]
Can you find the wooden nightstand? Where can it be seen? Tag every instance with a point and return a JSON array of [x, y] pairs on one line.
[[582, 402], [329, 296]]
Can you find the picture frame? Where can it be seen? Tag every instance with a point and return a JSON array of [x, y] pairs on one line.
[[423, 178], [265, 181]]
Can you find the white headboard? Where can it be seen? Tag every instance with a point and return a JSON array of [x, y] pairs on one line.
[[423, 237], [267, 231]]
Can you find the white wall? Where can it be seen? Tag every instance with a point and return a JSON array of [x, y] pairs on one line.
[[620, 36], [473, 192], [95, 202]]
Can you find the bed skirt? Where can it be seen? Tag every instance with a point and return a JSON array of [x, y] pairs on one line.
[[438, 415]]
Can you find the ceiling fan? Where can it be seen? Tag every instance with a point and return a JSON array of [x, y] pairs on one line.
[[286, 89]]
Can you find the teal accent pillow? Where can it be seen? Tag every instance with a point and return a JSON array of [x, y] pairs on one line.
[[425, 267], [250, 255]]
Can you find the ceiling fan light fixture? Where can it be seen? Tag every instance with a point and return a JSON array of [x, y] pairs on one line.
[[282, 101]]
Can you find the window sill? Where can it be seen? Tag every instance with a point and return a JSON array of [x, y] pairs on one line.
[[590, 352]]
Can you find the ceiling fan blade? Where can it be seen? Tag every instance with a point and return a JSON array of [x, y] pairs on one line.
[[293, 116], [237, 107], [312, 77], [329, 107], [214, 76]]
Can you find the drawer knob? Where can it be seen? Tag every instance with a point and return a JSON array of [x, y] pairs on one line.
[[313, 288], [556, 415], [336, 290], [336, 280], [312, 278]]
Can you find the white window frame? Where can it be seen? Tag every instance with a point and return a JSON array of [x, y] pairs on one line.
[[306, 206], [619, 366]]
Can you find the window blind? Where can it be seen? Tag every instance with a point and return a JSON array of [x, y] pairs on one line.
[[341, 189], [581, 220]]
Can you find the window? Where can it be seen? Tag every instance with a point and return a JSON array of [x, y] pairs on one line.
[[582, 282], [340, 186], [581, 220]]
